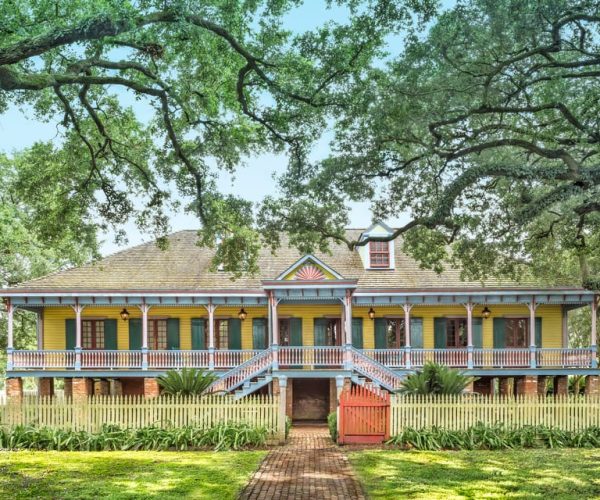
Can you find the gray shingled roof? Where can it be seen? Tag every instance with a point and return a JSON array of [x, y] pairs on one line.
[[184, 266]]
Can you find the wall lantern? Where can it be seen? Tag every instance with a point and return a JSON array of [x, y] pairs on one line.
[[486, 312], [242, 314], [124, 314], [371, 313]]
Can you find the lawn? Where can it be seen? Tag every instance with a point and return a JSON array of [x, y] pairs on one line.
[[125, 475], [548, 474]]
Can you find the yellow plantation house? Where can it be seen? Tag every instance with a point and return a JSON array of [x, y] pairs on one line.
[[308, 324]]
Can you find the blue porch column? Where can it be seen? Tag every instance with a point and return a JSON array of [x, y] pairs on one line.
[[407, 342], [469, 306], [78, 308], [532, 349], [593, 336]]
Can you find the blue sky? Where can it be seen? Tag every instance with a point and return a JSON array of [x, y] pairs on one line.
[[19, 129]]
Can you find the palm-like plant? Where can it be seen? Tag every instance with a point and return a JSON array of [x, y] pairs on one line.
[[186, 382], [435, 379]]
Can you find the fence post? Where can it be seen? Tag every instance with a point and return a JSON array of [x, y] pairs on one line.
[[282, 407]]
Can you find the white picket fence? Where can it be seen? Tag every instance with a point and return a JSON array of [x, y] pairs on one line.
[[458, 412], [91, 413]]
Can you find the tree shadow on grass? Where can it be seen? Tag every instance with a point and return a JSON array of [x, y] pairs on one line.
[[473, 474], [136, 475]]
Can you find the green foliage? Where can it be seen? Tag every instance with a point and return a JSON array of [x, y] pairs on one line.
[[224, 436], [439, 475], [120, 475], [186, 382], [332, 424], [154, 96], [435, 379], [499, 437], [288, 426], [485, 132]]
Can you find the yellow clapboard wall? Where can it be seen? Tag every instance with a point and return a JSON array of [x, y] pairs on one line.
[[54, 321]]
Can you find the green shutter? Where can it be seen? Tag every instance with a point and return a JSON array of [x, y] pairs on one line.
[[259, 333], [296, 331], [499, 333], [70, 334], [198, 334], [110, 334], [320, 331], [357, 333], [416, 333], [380, 337], [439, 333], [135, 334], [173, 333], [538, 332], [478, 333], [235, 334]]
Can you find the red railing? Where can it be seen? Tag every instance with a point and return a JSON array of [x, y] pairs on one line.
[[111, 359], [375, 371], [450, 357], [177, 359], [42, 360], [230, 359], [311, 356], [564, 358], [502, 358], [246, 371]]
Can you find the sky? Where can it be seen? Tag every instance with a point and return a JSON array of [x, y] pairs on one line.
[[18, 130]]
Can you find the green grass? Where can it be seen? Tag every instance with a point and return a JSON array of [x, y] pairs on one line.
[[544, 474], [126, 475]]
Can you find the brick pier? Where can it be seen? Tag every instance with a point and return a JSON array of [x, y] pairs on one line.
[[309, 467]]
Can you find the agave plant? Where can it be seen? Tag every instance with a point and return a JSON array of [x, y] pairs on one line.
[[435, 379], [186, 382]]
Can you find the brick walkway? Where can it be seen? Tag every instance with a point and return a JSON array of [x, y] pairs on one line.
[[309, 466]]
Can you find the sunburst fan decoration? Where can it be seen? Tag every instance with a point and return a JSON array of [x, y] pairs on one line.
[[309, 273]]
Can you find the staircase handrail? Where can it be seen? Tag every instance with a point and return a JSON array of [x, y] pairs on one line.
[[376, 371], [241, 373]]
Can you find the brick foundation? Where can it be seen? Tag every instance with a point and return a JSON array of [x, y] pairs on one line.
[[561, 385], [333, 401], [116, 387], [592, 385], [82, 387], [68, 388], [14, 389], [542, 385], [151, 388], [527, 386], [45, 387], [289, 401], [505, 386], [101, 387], [484, 385]]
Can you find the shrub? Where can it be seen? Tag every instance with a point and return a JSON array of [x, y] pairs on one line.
[[498, 437], [288, 426], [186, 382], [435, 379], [332, 424], [223, 436]]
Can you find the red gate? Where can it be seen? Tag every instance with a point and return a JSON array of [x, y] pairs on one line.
[[364, 416]]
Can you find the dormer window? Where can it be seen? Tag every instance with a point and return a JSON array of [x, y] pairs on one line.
[[379, 254]]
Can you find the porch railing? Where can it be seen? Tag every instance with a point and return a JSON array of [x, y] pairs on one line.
[[502, 358], [311, 356], [305, 356]]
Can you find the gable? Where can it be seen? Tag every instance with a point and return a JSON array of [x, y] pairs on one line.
[[309, 268]]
